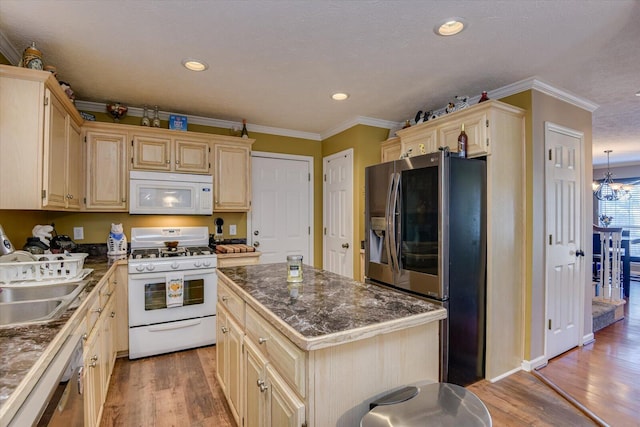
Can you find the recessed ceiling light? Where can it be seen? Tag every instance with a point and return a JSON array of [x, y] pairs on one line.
[[339, 96], [450, 26], [194, 64]]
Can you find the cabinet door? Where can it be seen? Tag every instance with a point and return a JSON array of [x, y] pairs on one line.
[[424, 145], [221, 349], [55, 174], [255, 387], [285, 409], [151, 153], [121, 309], [234, 363], [232, 177], [475, 126], [75, 168], [107, 171], [107, 324], [92, 378], [390, 150], [191, 155]]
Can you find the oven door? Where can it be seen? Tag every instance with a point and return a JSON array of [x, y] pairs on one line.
[[148, 292]]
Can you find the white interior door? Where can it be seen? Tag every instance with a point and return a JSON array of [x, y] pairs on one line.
[[281, 212], [338, 213], [564, 265]]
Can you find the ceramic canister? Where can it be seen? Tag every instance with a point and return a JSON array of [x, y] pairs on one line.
[[32, 58]]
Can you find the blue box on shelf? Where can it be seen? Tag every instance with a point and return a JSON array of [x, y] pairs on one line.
[[177, 122]]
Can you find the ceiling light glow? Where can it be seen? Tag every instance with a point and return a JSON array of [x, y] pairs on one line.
[[450, 26], [339, 96], [194, 64]]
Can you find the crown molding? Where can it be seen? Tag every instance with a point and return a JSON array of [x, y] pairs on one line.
[[536, 83], [360, 120], [8, 51], [205, 121]]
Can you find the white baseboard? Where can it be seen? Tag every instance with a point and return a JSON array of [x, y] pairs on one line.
[[530, 365], [505, 375], [588, 339]]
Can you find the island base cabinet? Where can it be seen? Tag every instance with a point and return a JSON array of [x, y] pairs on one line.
[[269, 402]]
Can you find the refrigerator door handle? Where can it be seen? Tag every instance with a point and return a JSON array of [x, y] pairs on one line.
[[387, 215], [392, 219]]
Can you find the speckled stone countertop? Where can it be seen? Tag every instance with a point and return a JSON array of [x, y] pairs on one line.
[[329, 309], [22, 346]]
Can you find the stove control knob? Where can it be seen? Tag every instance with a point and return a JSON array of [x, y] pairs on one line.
[[174, 265], [151, 267], [140, 267], [207, 263], [197, 264]]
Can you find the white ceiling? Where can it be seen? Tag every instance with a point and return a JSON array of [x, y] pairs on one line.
[[276, 63]]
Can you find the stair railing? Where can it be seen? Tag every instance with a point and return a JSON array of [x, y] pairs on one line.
[[610, 262]]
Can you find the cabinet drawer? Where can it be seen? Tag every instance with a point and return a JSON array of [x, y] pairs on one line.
[[232, 302], [93, 314], [107, 290], [289, 360]]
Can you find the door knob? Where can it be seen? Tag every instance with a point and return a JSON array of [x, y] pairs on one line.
[[256, 244], [345, 245], [579, 252], [255, 233]]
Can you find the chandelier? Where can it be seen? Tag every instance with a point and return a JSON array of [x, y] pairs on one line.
[[607, 189]]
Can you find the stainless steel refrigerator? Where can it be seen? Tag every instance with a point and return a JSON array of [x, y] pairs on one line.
[[425, 233]]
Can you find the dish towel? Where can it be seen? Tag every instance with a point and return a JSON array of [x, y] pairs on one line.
[[175, 289]]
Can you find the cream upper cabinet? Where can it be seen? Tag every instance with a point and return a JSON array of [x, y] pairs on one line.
[[390, 149], [483, 123], [165, 151], [39, 142], [232, 178], [107, 180]]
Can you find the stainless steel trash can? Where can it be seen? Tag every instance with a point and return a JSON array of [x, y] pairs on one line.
[[428, 404]]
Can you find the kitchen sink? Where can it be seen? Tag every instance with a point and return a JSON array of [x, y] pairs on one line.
[[27, 293], [36, 303], [31, 311]]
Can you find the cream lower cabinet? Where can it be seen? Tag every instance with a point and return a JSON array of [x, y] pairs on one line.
[[232, 179], [270, 402], [39, 141], [120, 286], [100, 349], [107, 181], [166, 151], [229, 339]]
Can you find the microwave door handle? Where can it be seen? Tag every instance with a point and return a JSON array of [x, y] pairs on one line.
[[387, 216], [395, 242]]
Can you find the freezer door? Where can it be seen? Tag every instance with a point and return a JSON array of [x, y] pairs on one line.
[[421, 232], [379, 181]]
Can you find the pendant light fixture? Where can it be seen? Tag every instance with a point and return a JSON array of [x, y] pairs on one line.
[[608, 190]]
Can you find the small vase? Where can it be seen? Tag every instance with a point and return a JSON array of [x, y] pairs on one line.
[[156, 118], [145, 117]]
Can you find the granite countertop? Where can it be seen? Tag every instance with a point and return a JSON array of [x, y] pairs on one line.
[[24, 345], [329, 309]]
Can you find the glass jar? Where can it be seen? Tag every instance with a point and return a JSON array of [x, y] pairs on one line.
[[294, 268]]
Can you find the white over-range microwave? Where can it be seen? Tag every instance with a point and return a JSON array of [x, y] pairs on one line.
[[164, 193]]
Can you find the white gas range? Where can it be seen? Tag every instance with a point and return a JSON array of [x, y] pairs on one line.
[[172, 291]]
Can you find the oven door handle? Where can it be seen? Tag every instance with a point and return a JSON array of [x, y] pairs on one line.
[[172, 326]]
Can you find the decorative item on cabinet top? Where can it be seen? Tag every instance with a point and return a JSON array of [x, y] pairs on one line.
[[32, 58], [117, 111]]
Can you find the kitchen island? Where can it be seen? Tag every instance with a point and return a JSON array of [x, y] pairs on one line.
[[320, 351]]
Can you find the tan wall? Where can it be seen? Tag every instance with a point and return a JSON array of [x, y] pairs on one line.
[[542, 108]]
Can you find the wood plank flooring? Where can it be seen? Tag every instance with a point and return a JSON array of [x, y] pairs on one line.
[[180, 389], [605, 376]]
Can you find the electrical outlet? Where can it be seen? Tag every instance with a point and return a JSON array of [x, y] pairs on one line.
[[232, 230], [78, 233]]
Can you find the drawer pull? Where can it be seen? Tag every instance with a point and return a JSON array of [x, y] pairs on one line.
[[262, 340], [262, 386], [97, 310], [85, 336], [94, 358], [224, 298], [224, 330], [92, 364]]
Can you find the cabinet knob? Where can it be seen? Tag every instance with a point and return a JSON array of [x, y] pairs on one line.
[[85, 336], [94, 358], [263, 387], [113, 314], [97, 310], [262, 340], [224, 298], [256, 244], [224, 330], [168, 162], [177, 162]]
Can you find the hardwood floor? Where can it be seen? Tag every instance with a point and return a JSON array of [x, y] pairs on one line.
[[180, 389], [605, 376]]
